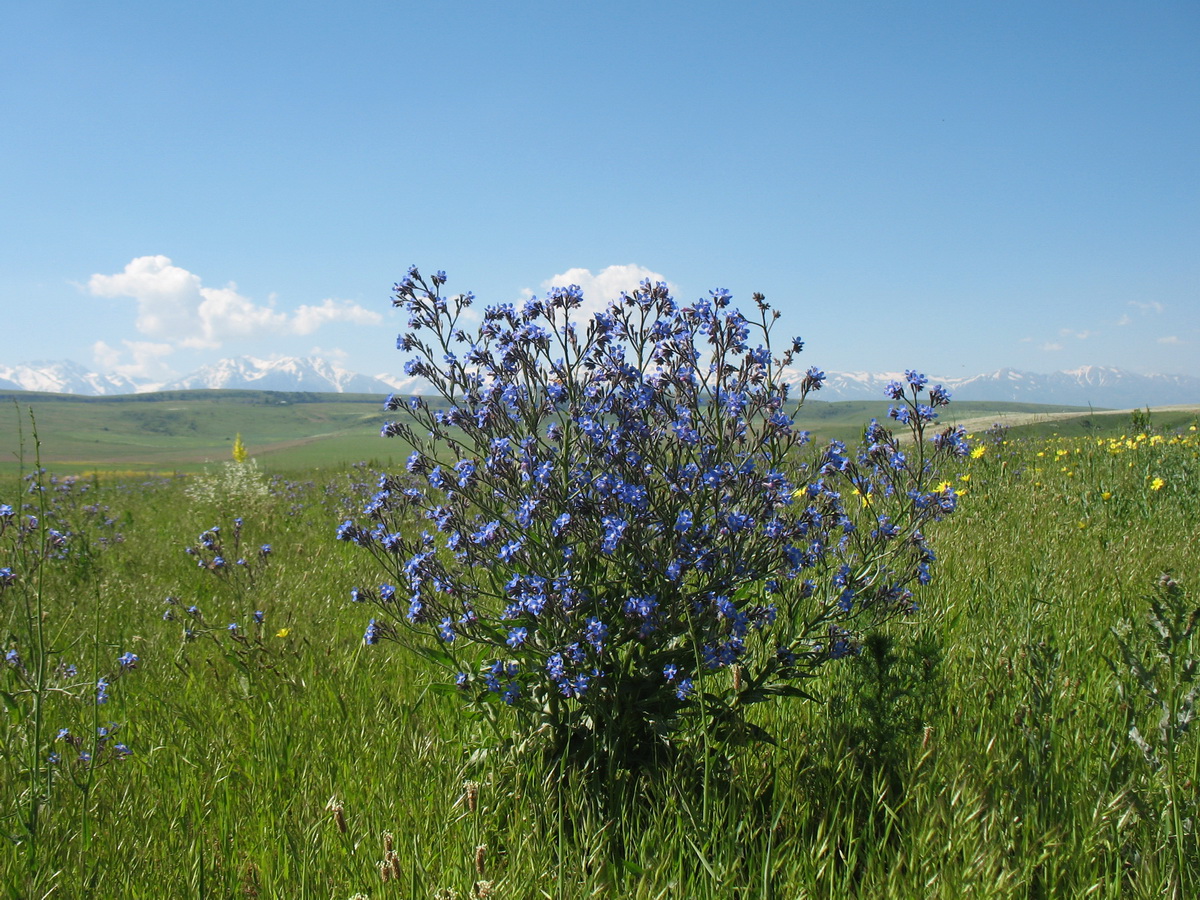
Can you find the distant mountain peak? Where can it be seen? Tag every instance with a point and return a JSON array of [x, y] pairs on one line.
[[289, 373], [1102, 386]]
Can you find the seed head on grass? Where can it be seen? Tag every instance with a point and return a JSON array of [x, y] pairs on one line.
[[335, 808]]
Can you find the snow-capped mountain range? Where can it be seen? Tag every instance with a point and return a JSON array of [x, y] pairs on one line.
[[241, 373], [1099, 386]]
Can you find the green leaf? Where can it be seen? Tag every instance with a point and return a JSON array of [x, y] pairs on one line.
[[10, 701]]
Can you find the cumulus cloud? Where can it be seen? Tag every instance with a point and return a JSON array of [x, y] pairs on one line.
[[309, 318], [1052, 346], [167, 296], [146, 360], [175, 306], [1078, 335], [1170, 339], [1124, 320], [1151, 306], [605, 285]]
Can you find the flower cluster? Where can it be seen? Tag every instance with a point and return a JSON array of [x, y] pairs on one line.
[[229, 561], [236, 484], [608, 514], [90, 753]]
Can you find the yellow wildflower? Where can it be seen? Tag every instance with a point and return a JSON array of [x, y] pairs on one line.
[[283, 632], [1157, 484]]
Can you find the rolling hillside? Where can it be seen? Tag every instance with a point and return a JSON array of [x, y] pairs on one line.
[[188, 430]]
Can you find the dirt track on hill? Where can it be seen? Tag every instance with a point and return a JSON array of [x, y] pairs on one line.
[[982, 423]]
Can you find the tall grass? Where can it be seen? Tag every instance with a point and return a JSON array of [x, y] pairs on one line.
[[981, 749]]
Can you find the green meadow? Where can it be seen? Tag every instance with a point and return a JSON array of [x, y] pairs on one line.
[[981, 748], [184, 431]]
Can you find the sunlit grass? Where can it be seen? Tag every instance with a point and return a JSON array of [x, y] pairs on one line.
[[992, 758]]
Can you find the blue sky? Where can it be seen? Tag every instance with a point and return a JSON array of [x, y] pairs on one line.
[[950, 186]]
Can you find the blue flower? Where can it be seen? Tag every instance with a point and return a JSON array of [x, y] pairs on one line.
[[466, 472], [594, 632], [486, 534], [614, 529], [517, 637]]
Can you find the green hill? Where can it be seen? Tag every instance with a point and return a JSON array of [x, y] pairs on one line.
[[187, 430]]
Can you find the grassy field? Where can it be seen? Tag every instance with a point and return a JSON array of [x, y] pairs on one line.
[[187, 430], [979, 749], [184, 431]]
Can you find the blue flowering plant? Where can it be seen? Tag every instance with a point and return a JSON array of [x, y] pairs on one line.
[[246, 642], [48, 542], [612, 530], [226, 557]]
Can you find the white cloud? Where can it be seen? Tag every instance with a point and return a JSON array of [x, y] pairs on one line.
[[1124, 320], [329, 353], [225, 314], [1052, 346], [1078, 335], [146, 360], [1170, 339], [309, 318], [167, 295], [174, 305], [1151, 306], [605, 285]]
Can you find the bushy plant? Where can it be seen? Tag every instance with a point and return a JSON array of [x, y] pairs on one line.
[[53, 729], [235, 485], [622, 545], [247, 645]]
